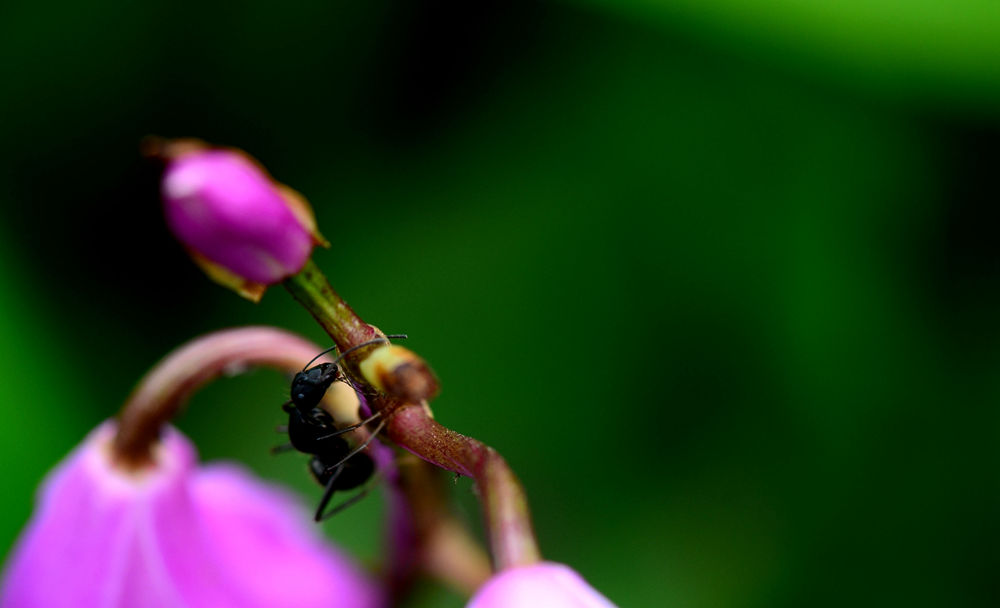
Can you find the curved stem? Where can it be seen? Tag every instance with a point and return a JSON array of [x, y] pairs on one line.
[[167, 386], [165, 389], [504, 504], [442, 544]]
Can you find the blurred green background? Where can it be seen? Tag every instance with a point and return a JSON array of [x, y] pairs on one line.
[[720, 279]]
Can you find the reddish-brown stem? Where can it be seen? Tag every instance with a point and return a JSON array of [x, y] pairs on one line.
[[505, 507], [442, 544], [162, 392]]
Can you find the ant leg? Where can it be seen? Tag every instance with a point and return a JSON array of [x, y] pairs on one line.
[[281, 449], [350, 501], [360, 447], [353, 427], [327, 494]]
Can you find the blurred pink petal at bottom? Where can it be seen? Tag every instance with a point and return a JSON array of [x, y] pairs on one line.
[[172, 536], [542, 585]]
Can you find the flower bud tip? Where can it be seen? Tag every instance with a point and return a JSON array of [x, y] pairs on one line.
[[242, 228]]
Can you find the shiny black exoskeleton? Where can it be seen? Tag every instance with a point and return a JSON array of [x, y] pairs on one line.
[[332, 464], [311, 430]]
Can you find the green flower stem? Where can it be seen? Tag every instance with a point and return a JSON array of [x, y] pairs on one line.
[[314, 292], [505, 507]]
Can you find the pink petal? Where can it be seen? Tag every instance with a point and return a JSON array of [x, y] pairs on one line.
[[544, 584], [222, 206], [172, 536]]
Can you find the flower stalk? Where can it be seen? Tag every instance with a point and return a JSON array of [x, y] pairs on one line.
[[165, 389], [440, 542], [311, 288], [504, 503], [411, 426]]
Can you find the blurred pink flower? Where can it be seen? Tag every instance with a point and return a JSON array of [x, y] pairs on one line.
[[171, 536], [543, 584], [226, 209]]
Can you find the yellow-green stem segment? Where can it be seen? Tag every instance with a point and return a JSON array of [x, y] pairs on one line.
[[311, 288]]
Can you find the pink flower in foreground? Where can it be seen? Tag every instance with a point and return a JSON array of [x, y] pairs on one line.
[[543, 584], [171, 536], [227, 210]]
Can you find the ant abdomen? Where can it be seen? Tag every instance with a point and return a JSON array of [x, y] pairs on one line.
[[353, 473]]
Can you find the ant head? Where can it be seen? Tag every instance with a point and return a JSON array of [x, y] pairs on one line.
[[309, 386]]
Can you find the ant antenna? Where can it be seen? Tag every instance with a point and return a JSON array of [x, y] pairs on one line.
[[350, 350], [348, 429], [353, 348], [317, 357]]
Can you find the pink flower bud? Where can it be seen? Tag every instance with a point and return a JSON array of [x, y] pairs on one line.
[[543, 584], [169, 536], [229, 213]]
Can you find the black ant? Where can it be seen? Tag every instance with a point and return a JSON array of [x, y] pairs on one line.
[[311, 430]]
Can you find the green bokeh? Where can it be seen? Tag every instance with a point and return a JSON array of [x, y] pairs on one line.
[[720, 282]]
